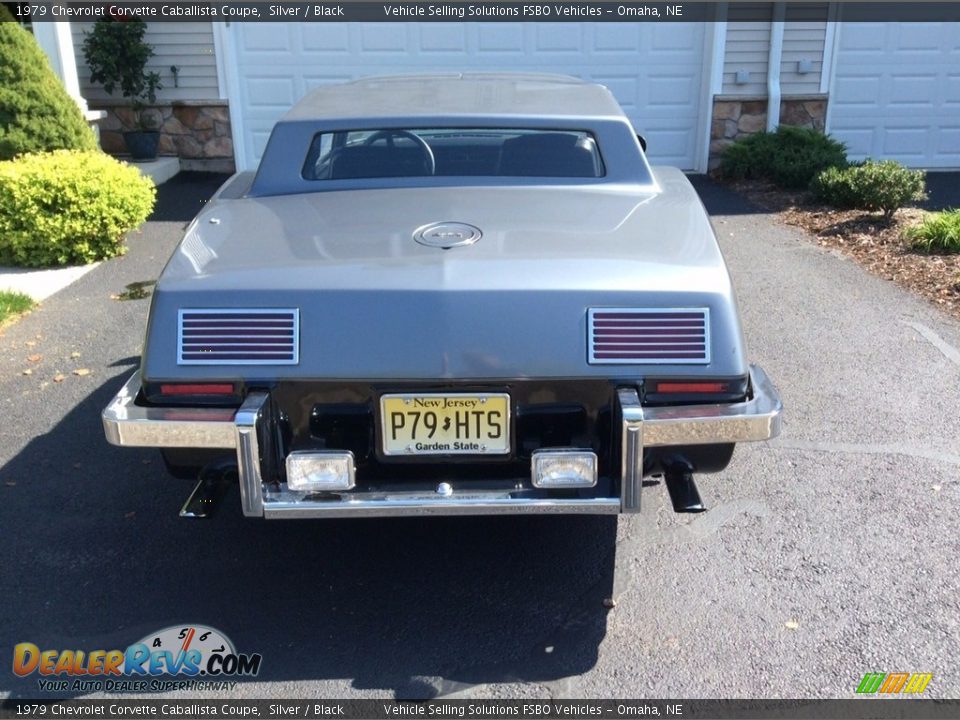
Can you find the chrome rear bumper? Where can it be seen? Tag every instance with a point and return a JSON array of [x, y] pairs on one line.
[[128, 424]]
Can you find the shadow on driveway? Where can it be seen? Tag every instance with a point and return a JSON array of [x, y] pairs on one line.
[[184, 195], [943, 191], [96, 558]]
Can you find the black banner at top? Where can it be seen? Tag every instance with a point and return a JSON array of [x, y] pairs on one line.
[[478, 11]]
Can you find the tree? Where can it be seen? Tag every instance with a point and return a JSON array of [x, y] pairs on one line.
[[36, 113], [117, 56]]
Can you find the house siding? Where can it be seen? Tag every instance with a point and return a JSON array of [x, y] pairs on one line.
[[747, 48], [804, 36], [188, 45]]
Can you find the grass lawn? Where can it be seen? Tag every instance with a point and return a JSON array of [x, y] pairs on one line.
[[12, 304]]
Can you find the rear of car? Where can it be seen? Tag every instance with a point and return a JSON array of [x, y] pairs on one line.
[[409, 312]]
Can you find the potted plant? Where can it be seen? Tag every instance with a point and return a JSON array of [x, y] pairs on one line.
[[117, 56]]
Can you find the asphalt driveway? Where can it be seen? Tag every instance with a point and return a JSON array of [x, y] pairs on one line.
[[826, 554]]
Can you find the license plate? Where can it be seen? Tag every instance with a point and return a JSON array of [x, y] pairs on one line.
[[445, 424]]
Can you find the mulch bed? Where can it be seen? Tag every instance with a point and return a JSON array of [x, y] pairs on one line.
[[868, 239]]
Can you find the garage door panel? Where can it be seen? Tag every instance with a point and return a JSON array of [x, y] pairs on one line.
[[259, 38], [672, 92], [667, 143], [896, 92], [951, 91], [442, 38], [625, 87], [258, 140], [672, 38], [655, 71], [859, 140], [616, 38], [271, 92], [948, 137], [316, 38], [383, 37], [905, 142], [913, 91], [563, 37], [915, 38], [498, 38], [856, 91]]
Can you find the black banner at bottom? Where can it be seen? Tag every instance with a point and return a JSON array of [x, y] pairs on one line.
[[858, 709]]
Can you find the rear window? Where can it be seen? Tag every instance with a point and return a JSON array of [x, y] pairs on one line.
[[452, 152]]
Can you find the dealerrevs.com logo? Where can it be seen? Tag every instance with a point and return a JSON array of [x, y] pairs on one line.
[[188, 651]]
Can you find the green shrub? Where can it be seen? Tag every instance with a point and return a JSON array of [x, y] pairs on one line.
[[36, 113], [791, 157], [68, 207], [883, 185], [938, 233]]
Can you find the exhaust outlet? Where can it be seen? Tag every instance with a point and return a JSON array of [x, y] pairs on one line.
[[212, 485], [683, 490]]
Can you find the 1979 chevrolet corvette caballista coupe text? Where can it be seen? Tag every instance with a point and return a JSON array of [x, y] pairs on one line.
[[452, 294]]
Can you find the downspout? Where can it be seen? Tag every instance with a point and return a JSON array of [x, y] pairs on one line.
[[773, 66]]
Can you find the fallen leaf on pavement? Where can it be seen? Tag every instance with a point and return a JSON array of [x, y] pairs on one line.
[[81, 372], [791, 624], [35, 358], [59, 378], [74, 355], [28, 371]]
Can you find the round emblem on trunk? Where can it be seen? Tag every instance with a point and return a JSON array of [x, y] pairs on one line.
[[447, 235]]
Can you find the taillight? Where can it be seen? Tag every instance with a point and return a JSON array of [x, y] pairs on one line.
[[691, 387], [197, 389], [690, 391], [194, 394]]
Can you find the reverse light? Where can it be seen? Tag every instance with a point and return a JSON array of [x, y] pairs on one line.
[[310, 472], [563, 468]]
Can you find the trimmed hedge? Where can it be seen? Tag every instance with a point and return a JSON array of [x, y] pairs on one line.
[[68, 207], [883, 185], [36, 113], [938, 233], [791, 157]]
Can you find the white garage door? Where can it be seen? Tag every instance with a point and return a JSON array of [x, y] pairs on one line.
[[654, 70], [896, 92]]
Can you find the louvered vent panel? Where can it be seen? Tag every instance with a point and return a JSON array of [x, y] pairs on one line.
[[636, 336], [238, 337]]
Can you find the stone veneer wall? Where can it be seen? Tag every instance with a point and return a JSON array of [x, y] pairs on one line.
[[196, 132], [734, 118]]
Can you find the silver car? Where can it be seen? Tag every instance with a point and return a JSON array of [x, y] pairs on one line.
[[452, 294]]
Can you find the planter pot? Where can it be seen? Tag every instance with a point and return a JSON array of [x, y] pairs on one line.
[[142, 144]]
